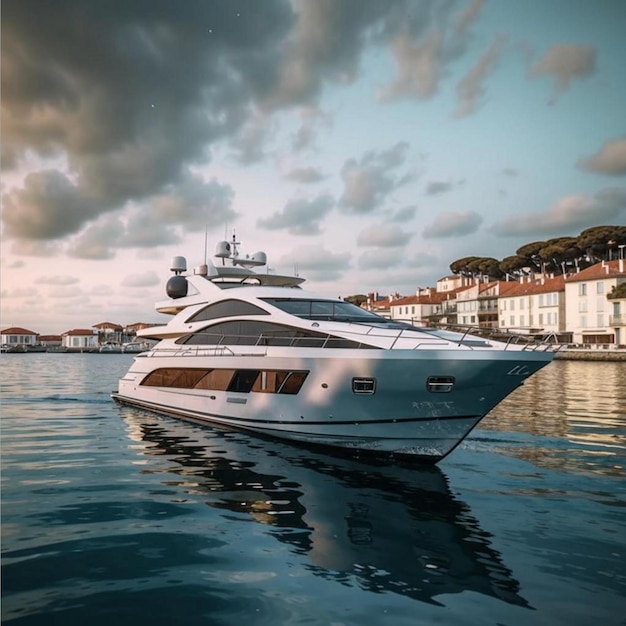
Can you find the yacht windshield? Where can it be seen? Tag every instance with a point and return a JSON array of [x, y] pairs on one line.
[[333, 310]]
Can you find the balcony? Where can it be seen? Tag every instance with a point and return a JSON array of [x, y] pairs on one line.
[[617, 320]]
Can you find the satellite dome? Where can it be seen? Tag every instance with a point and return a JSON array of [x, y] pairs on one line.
[[176, 287]]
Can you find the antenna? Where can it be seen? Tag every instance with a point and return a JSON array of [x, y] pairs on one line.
[[206, 233]]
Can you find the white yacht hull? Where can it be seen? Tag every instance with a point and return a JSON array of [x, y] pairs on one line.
[[402, 417]]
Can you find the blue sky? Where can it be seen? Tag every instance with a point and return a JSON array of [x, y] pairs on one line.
[[368, 143]]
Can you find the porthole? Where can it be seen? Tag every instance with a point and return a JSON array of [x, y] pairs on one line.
[[364, 386], [440, 384]]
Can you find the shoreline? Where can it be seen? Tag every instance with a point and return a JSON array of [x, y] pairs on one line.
[[591, 355]]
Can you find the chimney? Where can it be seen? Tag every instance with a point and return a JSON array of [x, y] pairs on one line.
[[621, 265]]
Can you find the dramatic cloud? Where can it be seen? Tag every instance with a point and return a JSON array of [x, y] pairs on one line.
[[453, 224], [49, 206], [383, 236], [249, 143], [153, 93], [471, 88], [301, 216], [422, 51], [610, 159], [566, 62], [569, 215], [305, 175], [369, 181]]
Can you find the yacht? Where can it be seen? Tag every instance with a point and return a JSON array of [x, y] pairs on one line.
[[253, 350]]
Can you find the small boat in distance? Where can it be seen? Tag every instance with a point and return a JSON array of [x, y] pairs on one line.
[[254, 351]]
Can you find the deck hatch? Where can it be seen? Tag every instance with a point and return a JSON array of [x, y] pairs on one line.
[[440, 384], [364, 386]]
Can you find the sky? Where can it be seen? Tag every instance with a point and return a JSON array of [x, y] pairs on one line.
[[365, 144]]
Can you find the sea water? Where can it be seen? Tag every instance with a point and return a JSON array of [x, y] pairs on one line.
[[112, 515]]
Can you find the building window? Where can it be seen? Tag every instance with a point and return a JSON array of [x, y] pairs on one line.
[[583, 321], [582, 289], [504, 305], [540, 318], [600, 320], [600, 287], [582, 306], [511, 321], [521, 320], [512, 305]]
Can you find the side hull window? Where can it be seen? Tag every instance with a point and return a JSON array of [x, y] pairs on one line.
[[239, 381]]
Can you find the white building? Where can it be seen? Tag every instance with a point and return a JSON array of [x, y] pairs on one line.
[[588, 311], [80, 339], [534, 305], [15, 336]]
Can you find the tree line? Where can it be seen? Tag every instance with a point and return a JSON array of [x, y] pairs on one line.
[[560, 255]]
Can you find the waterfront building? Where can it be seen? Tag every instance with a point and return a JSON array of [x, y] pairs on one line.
[[108, 332], [588, 310], [51, 341], [16, 336], [80, 339], [534, 305], [425, 307]]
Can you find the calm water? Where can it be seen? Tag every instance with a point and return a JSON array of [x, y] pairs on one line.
[[111, 515]]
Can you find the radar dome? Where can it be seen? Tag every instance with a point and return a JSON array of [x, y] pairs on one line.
[[222, 249], [176, 287]]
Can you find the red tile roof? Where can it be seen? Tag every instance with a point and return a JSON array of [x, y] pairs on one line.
[[536, 286], [78, 332], [606, 269], [16, 330]]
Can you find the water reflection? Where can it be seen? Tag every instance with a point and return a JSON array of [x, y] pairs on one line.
[[390, 528], [577, 409]]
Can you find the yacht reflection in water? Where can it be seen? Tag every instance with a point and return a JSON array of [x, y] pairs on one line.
[[391, 527]]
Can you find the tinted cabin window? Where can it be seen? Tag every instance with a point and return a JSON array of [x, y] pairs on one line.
[[182, 377], [226, 308], [242, 381], [253, 333]]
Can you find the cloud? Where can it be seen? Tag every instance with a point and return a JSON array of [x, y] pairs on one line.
[[419, 66], [568, 215], [301, 216], [49, 206], [305, 175], [369, 181], [509, 171], [404, 214], [470, 89], [249, 143], [43, 249], [610, 159], [146, 279], [317, 263], [56, 280], [380, 259], [436, 187], [565, 62], [423, 48], [153, 93], [383, 236], [453, 224]]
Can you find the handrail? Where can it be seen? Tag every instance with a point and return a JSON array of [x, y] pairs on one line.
[[470, 337]]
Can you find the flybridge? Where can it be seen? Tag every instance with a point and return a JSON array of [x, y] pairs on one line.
[[235, 270]]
